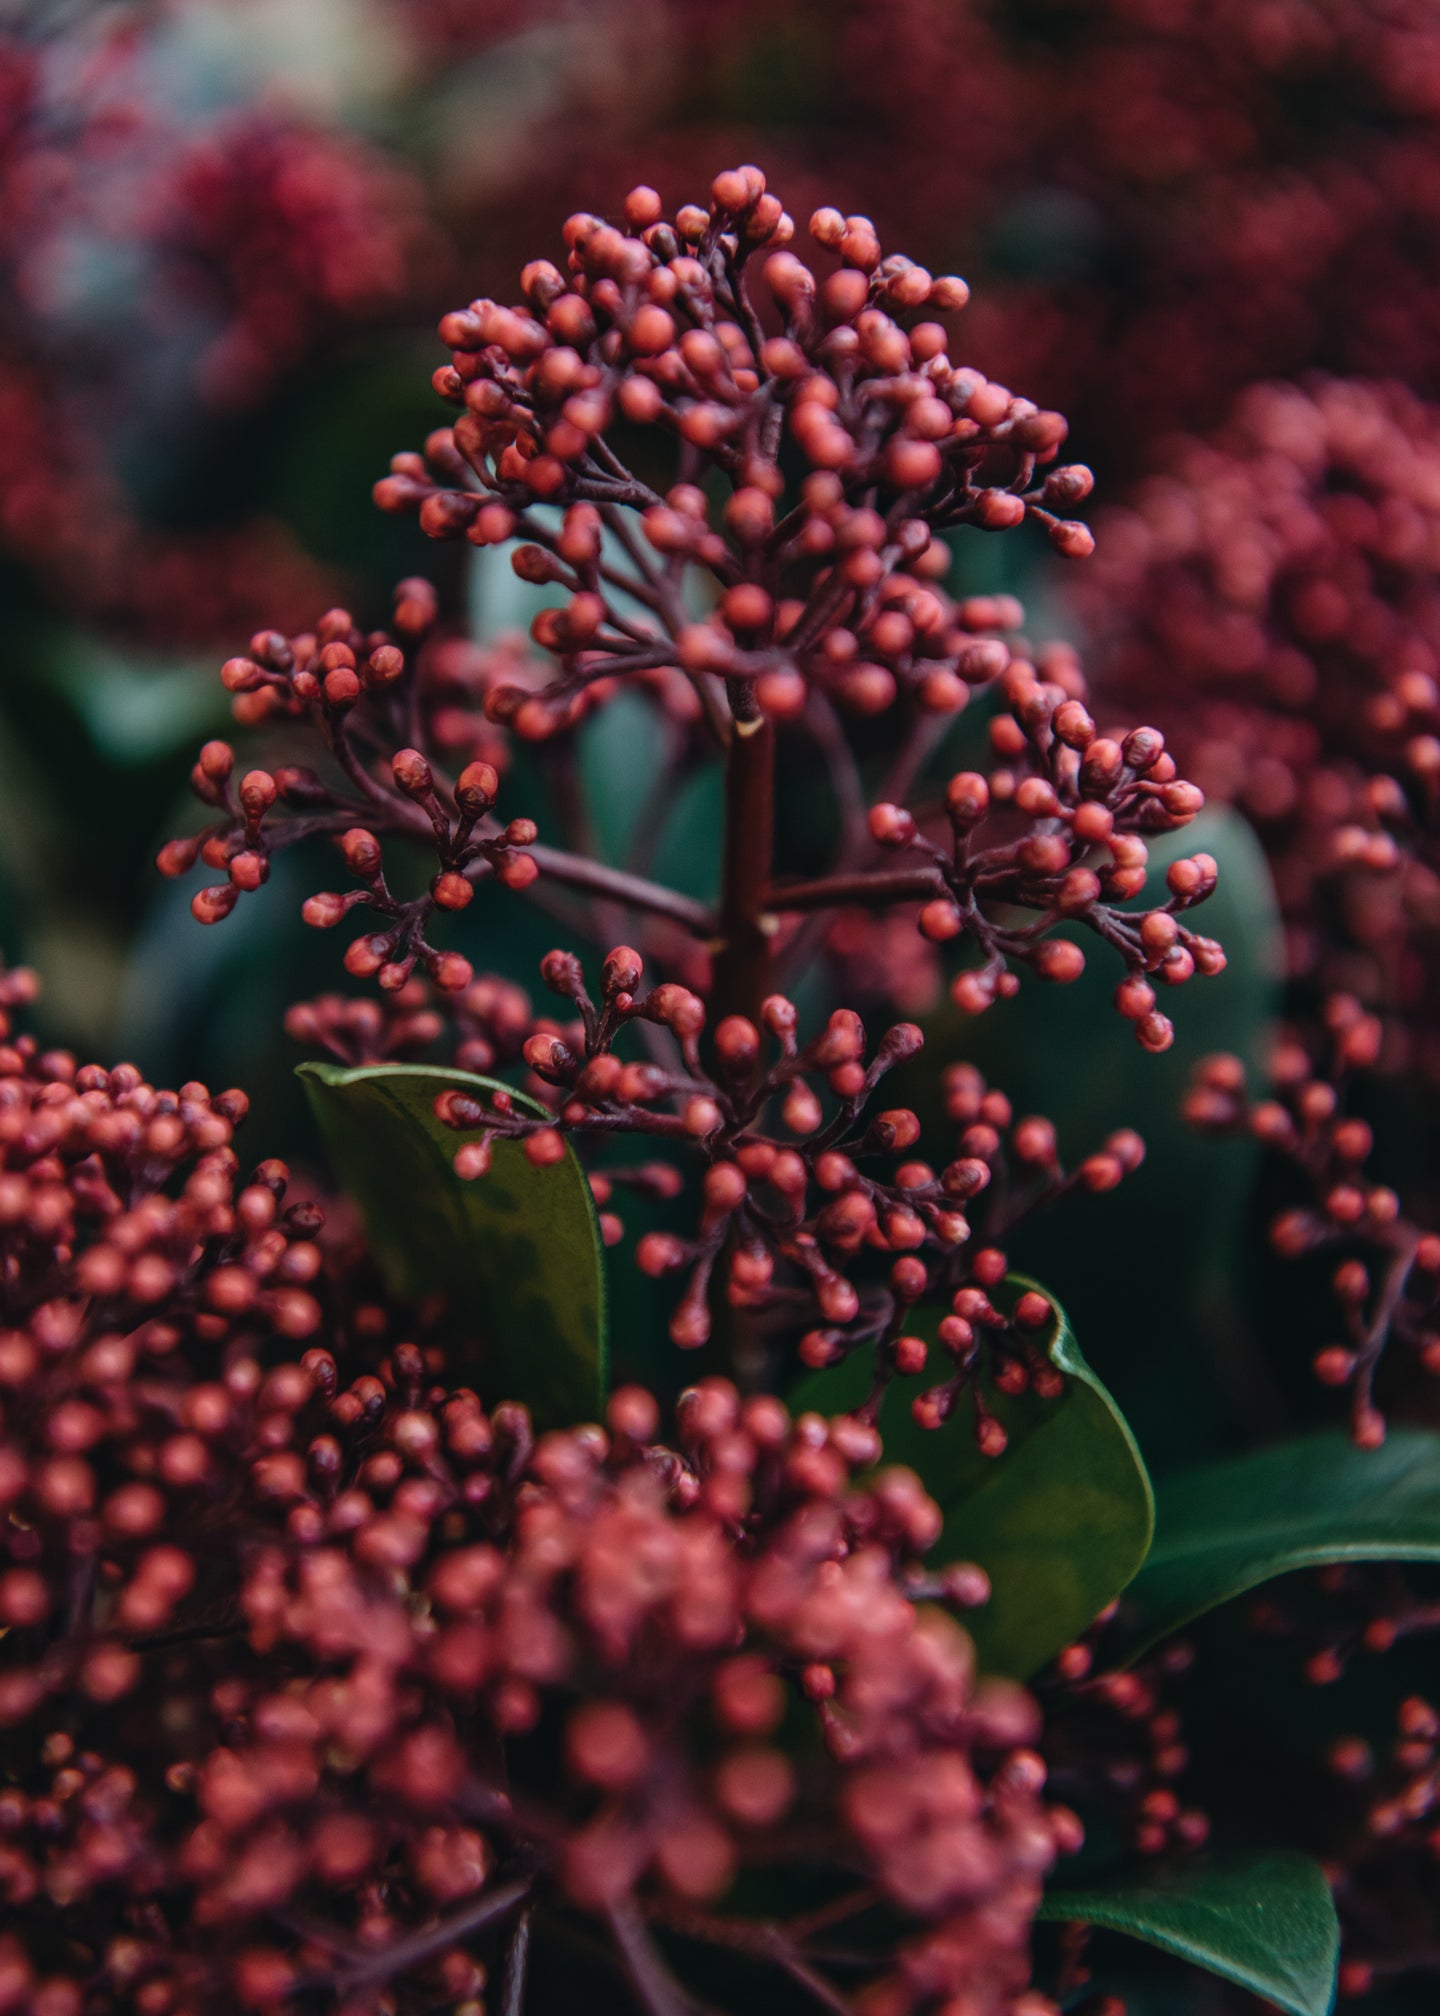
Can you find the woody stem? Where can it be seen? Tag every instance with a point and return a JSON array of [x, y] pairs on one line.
[[743, 948]]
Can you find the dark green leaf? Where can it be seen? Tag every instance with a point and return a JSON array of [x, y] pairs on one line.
[[1060, 1522], [1224, 1527], [517, 1254], [1265, 1921]]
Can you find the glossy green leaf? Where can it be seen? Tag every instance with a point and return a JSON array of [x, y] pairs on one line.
[[1060, 1522], [1265, 1921], [517, 1254], [1226, 1526]]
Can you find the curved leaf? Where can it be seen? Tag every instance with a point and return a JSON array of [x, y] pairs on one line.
[[517, 1255], [1060, 1522], [1265, 1921], [1224, 1527]]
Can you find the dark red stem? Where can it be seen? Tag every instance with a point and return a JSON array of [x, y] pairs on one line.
[[746, 929]]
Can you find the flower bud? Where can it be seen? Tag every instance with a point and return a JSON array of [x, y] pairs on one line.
[[411, 773], [476, 789]]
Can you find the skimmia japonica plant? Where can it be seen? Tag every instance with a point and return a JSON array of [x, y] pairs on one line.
[[369, 1647], [774, 584]]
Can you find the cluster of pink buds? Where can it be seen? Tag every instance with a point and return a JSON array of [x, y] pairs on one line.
[[355, 694], [489, 1024], [249, 245], [319, 677], [655, 323], [1386, 1275], [790, 1210], [1056, 828], [824, 602], [1085, 803], [358, 1590], [65, 518], [133, 1253]]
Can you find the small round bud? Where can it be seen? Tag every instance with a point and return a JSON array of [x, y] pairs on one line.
[[451, 891], [476, 788], [411, 773], [891, 826]]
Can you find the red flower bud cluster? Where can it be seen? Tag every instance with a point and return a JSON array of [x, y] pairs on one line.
[[357, 1592], [1376, 1816], [830, 587], [826, 603], [64, 517], [1085, 803], [487, 1026], [1277, 582], [1386, 1275], [137, 1265], [1342, 1612], [1209, 229], [318, 678], [1190, 223], [790, 1213]]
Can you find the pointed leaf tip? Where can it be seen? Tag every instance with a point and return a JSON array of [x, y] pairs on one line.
[[1225, 1527], [1264, 1920]]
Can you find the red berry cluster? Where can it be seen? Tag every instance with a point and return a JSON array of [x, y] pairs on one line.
[[1217, 231], [64, 517], [1343, 1612], [788, 1215], [1196, 225], [133, 1254], [1091, 800], [318, 678], [1084, 804]]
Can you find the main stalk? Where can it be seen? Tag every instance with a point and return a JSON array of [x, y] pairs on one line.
[[743, 949]]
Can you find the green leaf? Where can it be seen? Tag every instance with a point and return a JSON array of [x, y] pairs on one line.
[[1264, 1920], [1226, 1526], [517, 1254], [1060, 1522]]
